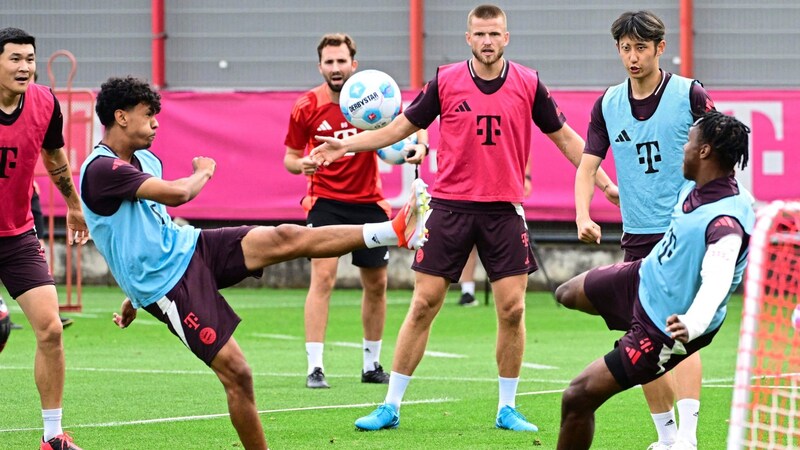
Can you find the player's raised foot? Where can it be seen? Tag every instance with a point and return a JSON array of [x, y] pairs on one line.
[[316, 379], [682, 445], [384, 417], [60, 442], [376, 376], [467, 300], [409, 223], [509, 418]]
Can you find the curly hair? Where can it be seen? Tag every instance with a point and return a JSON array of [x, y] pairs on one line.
[[125, 94], [726, 136]]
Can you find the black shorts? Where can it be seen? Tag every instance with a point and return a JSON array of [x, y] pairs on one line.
[[194, 309], [645, 352], [23, 265], [498, 230], [332, 212]]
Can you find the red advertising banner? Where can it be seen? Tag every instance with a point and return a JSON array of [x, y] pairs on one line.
[[244, 133]]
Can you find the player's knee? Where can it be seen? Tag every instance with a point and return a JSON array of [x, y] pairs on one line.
[[574, 397], [512, 314], [240, 376], [421, 311], [49, 335], [567, 294]]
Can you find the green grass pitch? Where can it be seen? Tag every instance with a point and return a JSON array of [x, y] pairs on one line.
[[140, 388]]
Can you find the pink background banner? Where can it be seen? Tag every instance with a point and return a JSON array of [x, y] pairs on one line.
[[244, 133]]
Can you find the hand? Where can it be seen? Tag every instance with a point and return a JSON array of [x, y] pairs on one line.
[[612, 194], [202, 163], [307, 166], [527, 186], [77, 231], [588, 231], [127, 316], [415, 153], [329, 151], [677, 330]]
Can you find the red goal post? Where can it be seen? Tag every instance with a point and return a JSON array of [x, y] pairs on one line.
[[765, 410]]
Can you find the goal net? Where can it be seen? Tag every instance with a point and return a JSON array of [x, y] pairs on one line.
[[766, 399]]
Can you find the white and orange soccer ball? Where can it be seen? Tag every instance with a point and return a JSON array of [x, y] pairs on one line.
[[370, 99]]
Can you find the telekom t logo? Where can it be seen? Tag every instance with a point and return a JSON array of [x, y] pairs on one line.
[[5, 161], [649, 154], [490, 128]]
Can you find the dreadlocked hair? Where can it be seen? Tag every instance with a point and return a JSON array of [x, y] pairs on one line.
[[727, 138]]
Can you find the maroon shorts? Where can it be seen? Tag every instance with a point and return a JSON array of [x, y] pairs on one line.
[[194, 309], [637, 246], [498, 230], [22, 264], [645, 352]]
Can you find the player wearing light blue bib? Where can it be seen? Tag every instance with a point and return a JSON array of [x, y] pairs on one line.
[[645, 120], [683, 248], [673, 301], [161, 249], [648, 153]]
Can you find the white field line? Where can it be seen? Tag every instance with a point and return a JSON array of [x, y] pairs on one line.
[[284, 337], [216, 416], [272, 374]]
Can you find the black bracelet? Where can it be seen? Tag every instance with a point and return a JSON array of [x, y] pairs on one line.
[[427, 149]]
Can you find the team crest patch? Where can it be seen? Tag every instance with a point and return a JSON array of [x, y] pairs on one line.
[[208, 336]]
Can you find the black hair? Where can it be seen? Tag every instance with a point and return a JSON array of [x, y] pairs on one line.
[[726, 136], [643, 26], [15, 36], [125, 94]]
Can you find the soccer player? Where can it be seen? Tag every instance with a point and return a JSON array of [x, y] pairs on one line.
[[645, 119], [485, 105], [348, 192], [175, 273], [705, 247], [30, 125]]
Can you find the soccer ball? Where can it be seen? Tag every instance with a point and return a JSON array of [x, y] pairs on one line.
[[396, 153], [370, 99], [5, 324], [796, 318]]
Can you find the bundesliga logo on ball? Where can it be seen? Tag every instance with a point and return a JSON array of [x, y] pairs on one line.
[[370, 99]]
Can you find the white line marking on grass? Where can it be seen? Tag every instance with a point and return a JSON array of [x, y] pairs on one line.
[[281, 337], [432, 354], [272, 374], [216, 416], [538, 366], [345, 344], [553, 391]]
